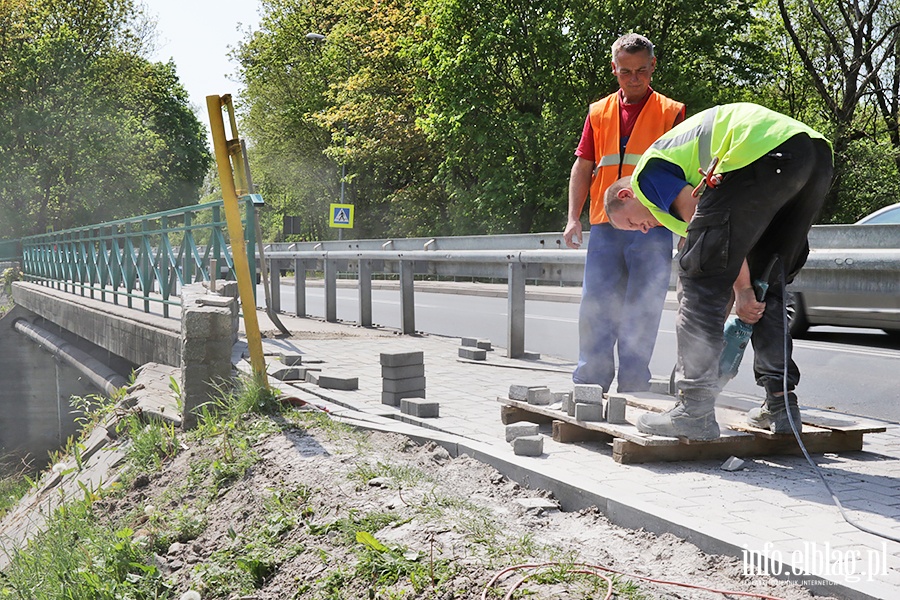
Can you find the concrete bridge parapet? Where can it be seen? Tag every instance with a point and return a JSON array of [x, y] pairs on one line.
[[137, 337]]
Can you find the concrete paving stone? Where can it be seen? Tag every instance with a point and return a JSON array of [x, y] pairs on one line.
[[332, 381], [402, 359], [403, 385], [469, 342], [291, 358], [615, 410], [394, 398], [514, 430], [484, 345], [587, 394], [539, 396], [528, 445], [419, 407], [404, 372], [588, 412], [472, 353]]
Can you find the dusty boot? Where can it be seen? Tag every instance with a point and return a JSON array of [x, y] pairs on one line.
[[773, 415], [691, 419]]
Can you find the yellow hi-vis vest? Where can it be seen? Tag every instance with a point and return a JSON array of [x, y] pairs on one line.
[[737, 134], [656, 117]]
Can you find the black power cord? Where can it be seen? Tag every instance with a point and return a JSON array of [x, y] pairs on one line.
[[796, 431]]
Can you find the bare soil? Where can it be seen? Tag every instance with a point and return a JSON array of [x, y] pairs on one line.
[[458, 521]]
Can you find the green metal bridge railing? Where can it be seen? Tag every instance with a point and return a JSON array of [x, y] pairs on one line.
[[146, 258]]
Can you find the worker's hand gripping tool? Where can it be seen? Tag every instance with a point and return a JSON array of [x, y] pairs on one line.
[[710, 178]]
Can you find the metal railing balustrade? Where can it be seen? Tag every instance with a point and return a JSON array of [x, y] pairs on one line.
[[145, 258]]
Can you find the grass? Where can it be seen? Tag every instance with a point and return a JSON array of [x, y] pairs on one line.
[[87, 554]]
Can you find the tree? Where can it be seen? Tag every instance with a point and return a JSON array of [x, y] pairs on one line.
[[848, 49], [89, 129], [510, 81]]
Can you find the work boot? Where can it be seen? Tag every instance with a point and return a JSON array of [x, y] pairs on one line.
[[691, 419], [773, 415]]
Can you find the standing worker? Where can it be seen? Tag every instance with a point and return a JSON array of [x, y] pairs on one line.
[[764, 182], [626, 274]]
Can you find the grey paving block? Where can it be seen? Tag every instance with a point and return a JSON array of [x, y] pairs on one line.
[[472, 353], [419, 407], [528, 445], [615, 410], [588, 393], [394, 398], [291, 358], [402, 385], [518, 392], [402, 359], [404, 372], [563, 398], [660, 386], [588, 412], [528, 355], [570, 408], [332, 381], [514, 430], [484, 345], [539, 396], [469, 342], [283, 372]]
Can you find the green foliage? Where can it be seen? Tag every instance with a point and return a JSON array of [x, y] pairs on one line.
[[151, 444], [91, 130], [81, 558], [10, 275]]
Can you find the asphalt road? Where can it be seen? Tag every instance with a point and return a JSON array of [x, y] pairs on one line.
[[856, 371]]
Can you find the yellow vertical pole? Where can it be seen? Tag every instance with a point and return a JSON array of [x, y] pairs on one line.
[[214, 106]]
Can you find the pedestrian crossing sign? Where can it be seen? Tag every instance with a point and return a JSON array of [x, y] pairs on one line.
[[341, 216]]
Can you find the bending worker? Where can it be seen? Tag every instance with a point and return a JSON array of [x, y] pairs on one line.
[[626, 274], [762, 196]]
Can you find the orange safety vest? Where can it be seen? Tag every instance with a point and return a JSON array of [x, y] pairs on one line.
[[657, 117]]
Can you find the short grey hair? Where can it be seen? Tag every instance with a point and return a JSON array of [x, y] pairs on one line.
[[611, 201], [632, 43]]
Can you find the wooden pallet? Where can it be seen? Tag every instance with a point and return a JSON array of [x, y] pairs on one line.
[[823, 431]]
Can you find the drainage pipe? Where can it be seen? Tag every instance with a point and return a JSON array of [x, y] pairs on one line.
[[97, 373]]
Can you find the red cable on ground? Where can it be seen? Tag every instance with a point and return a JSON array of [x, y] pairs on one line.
[[533, 567]]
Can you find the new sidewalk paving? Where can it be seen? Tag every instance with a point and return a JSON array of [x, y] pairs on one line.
[[774, 509]]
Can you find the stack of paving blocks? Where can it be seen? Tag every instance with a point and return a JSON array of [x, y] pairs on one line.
[[403, 383], [525, 438], [589, 403], [474, 349]]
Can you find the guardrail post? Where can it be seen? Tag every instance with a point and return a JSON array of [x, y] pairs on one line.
[[299, 287], [275, 278], [330, 290], [407, 302], [515, 335], [365, 292]]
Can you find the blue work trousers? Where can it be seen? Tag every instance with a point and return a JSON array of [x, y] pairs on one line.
[[626, 276]]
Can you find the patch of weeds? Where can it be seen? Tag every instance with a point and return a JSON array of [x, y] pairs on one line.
[[403, 475], [334, 431], [93, 408], [151, 443], [79, 558], [348, 527], [388, 567], [12, 488], [256, 553]]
